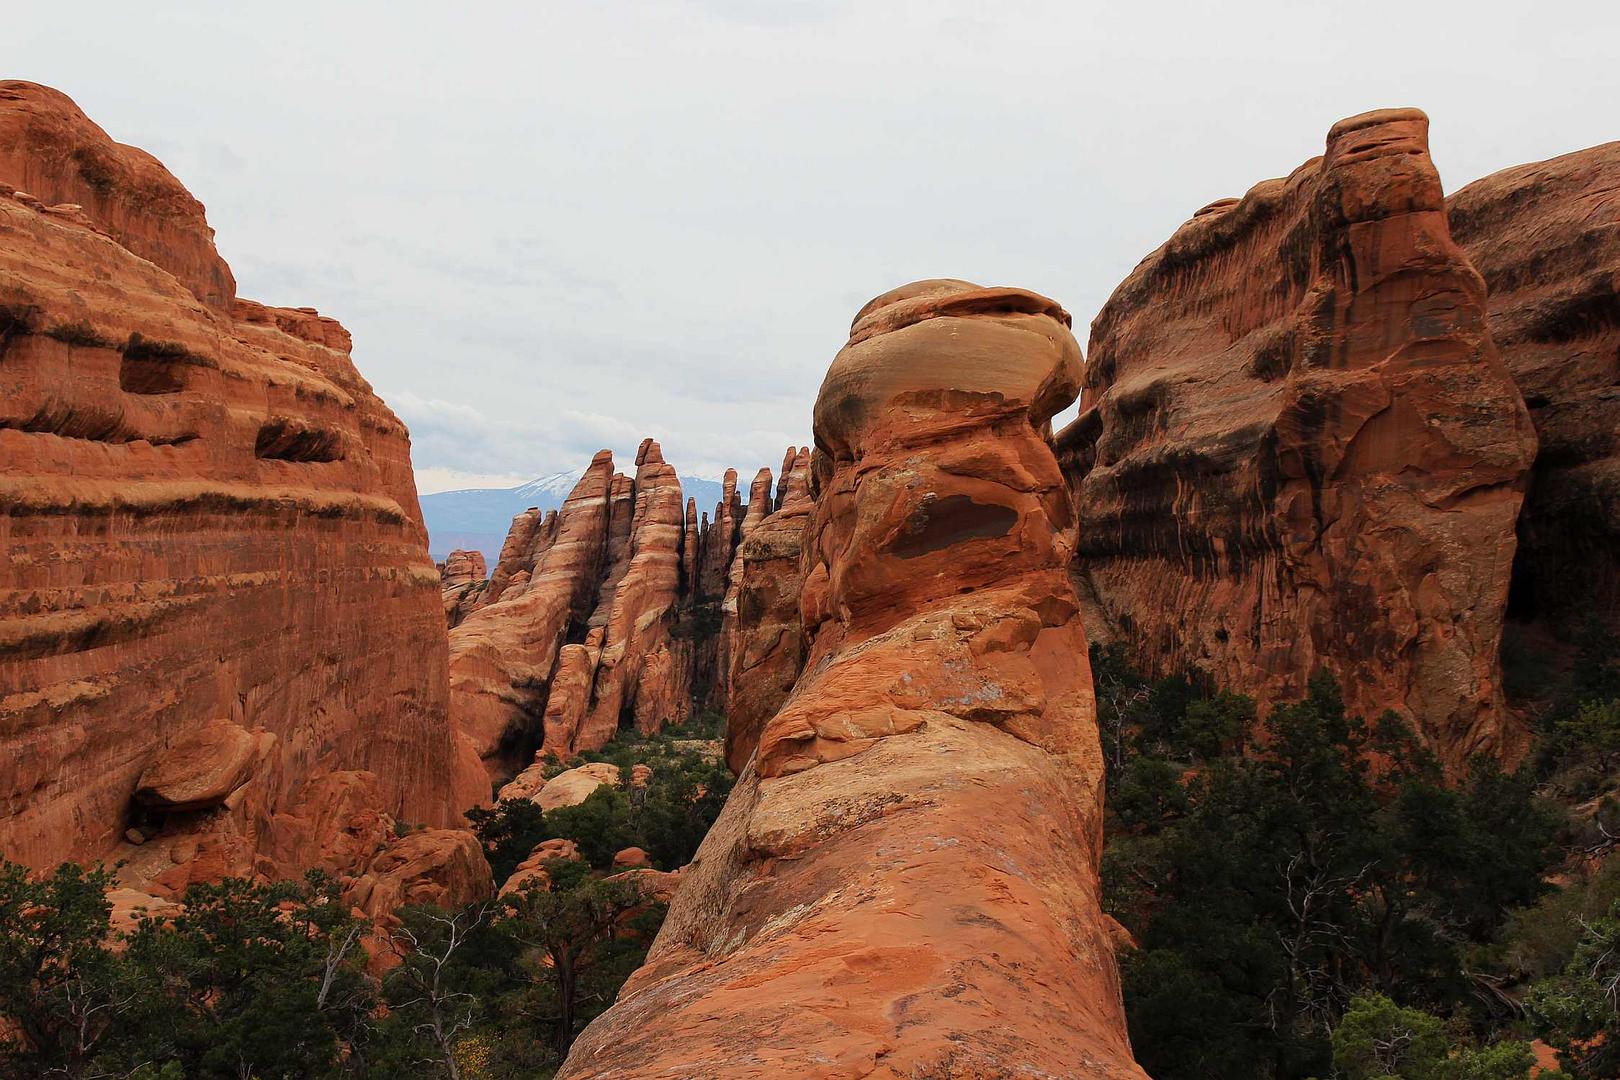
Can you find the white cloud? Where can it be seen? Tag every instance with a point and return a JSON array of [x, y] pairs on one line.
[[557, 227]]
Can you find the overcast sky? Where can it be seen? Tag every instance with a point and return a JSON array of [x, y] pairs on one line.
[[554, 227]]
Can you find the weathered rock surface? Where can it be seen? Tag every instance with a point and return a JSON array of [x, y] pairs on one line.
[[1546, 237], [209, 538], [201, 769], [51, 150], [760, 506], [916, 843], [763, 640], [501, 656], [463, 583], [595, 619], [1298, 448], [443, 868]]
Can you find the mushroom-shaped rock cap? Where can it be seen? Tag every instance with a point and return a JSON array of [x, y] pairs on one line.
[[965, 354]]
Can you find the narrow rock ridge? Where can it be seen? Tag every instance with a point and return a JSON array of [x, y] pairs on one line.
[[1546, 237], [218, 618], [914, 841], [1299, 450]]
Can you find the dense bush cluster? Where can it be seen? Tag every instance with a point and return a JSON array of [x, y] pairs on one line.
[[282, 981], [1309, 895], [667, 818]]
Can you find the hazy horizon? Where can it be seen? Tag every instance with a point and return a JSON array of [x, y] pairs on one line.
[[560, 227]]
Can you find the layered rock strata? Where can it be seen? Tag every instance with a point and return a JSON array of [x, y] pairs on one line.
[[1299, 450], [1546, 237], [215, 595], [915, 843]]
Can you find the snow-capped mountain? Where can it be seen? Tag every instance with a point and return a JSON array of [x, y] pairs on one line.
[[476, 519]]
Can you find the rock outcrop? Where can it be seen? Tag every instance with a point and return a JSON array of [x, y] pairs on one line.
[[52, 151], [760, 506], [501, 656], [1298, 449], [762, 639], [463, 583], [915, 844], [642, 671], [1546, 237], [568, 788], [215, 594]]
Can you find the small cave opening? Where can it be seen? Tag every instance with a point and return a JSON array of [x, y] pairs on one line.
[[938, 524], [154, 367], [292, 440]]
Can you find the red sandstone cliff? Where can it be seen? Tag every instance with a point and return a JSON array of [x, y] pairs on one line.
[[915, 844], [1546, 237], [217, 613], [1298, 448]]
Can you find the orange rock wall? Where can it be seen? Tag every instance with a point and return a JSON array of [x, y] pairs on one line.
[[1546, 237], [1298, 448], [206, 515]]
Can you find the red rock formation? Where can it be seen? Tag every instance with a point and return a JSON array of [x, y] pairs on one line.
[[463, 585], [874, 916], [718, 542], [501, 656], [646, 646], [54, 152], [518, 550], [569, 694], [533, 868], [443, 868], [691, 548], [641, 670], [1299, 450], [759, 507], [1546, 237], [795, 478], [214, 584], [763, 640]]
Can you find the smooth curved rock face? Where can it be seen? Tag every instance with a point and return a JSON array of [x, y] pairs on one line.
[[905, 881], [205, 515], [201, 769], [55, 153], [1298, 448], [501, 656], [1546, 237]]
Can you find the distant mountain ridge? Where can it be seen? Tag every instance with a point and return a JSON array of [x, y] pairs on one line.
[[477, 519]]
